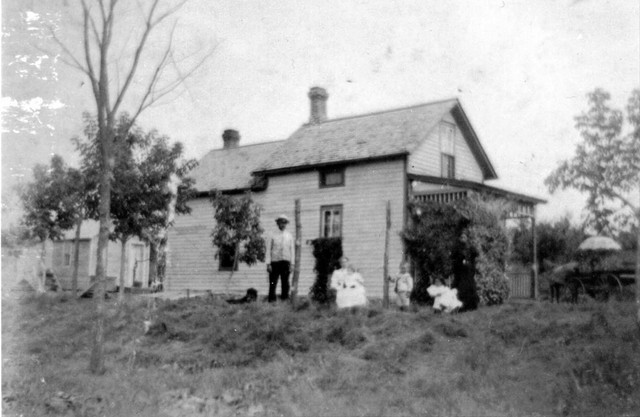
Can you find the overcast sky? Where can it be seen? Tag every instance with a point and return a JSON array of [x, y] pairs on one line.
[[520, 68]]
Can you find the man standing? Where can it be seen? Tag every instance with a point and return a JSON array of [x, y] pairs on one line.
[[280, 251]]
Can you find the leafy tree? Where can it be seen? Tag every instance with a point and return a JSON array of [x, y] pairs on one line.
[[606, 166], [49, 203], [237, 231], [127, 142], [558, 242], [165, 189], [111, 74], [144, 199]]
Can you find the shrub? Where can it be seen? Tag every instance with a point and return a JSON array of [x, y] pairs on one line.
[[327, 252], [492, 283], [430, 241], [463, 239]]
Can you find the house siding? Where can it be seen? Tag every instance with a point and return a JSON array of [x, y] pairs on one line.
[[363, 198], [425, 160], [64, 272], [87, 262]]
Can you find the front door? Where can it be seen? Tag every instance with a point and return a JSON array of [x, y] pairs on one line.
[[137, 266]]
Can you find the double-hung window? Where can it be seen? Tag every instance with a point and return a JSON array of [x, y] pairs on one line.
[[331, 221], [447, 150]]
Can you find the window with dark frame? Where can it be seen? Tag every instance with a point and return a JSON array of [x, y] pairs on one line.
[[331, 221], [225, 258], [332, 177], [448, 166], [447, 150]]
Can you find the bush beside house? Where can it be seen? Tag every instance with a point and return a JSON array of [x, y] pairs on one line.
[[327, 252], [442, 237]]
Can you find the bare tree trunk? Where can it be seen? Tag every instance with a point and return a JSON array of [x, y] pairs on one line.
[[161, 261], [76, 258], [43, 266], [296, 265], [638, 272], [534, 254], [236, 256], [153, 261], [106, 135], [385, 268], [123, 268]]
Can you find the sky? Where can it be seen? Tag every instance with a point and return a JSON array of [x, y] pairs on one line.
[[521, 70]]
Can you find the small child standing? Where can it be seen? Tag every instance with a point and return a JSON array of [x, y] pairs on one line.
[[403, 286]]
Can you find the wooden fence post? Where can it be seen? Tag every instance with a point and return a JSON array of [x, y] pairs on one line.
[[298, 245], [534, 236], [385, 285]]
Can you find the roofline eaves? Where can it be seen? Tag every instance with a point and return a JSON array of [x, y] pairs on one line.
[[475, 186], [378, 112], [491, 173], [286, 170]]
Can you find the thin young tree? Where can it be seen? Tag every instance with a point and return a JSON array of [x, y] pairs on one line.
[[606, 166], [166, 189], [237, 233], [129, 141], [126, 197], [79, 188], [104, 68]]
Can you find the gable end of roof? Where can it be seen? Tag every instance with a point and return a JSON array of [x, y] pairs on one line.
[[488, 171]]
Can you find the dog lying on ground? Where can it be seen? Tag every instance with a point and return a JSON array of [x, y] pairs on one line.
[[250, 297]]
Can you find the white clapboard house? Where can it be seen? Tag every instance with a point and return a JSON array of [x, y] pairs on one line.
[[344, 171]]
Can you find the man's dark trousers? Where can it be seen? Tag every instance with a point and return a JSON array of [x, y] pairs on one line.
[[279, 269]]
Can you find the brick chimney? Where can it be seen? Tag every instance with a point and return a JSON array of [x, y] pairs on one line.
[[318, 97], [231, 139]]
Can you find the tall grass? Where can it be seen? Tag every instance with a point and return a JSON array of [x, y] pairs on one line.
[[516, 359]]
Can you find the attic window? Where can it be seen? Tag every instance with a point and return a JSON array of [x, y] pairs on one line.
[[333, 177], [447, 150], [448, 138]]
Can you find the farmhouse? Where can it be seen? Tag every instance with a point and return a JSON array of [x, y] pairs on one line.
[[60, 259], [344, 171]]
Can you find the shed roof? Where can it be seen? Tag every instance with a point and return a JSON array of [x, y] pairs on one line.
[[230, 169], [370, 136]]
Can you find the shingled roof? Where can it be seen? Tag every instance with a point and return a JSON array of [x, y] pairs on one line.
[[369, 136], [230, 169]]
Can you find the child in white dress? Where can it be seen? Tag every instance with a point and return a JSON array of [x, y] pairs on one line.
[[444, 298], [349, 286]]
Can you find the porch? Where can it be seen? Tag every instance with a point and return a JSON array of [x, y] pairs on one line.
[[523, 282]]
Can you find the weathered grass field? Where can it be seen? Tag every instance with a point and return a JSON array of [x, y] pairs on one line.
[[532, 359]]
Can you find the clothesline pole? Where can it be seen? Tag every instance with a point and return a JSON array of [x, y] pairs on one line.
[[296, 265], [385, 279]]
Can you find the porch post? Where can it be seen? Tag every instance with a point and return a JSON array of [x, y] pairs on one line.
[[536, 289], [385, 266]]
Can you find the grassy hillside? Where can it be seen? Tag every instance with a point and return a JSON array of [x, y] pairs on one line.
[[267, 360]]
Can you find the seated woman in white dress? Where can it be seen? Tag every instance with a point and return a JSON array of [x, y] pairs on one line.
[[349, 285], [444, 298]]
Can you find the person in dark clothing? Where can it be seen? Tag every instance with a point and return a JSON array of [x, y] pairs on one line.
[[464, 272]]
